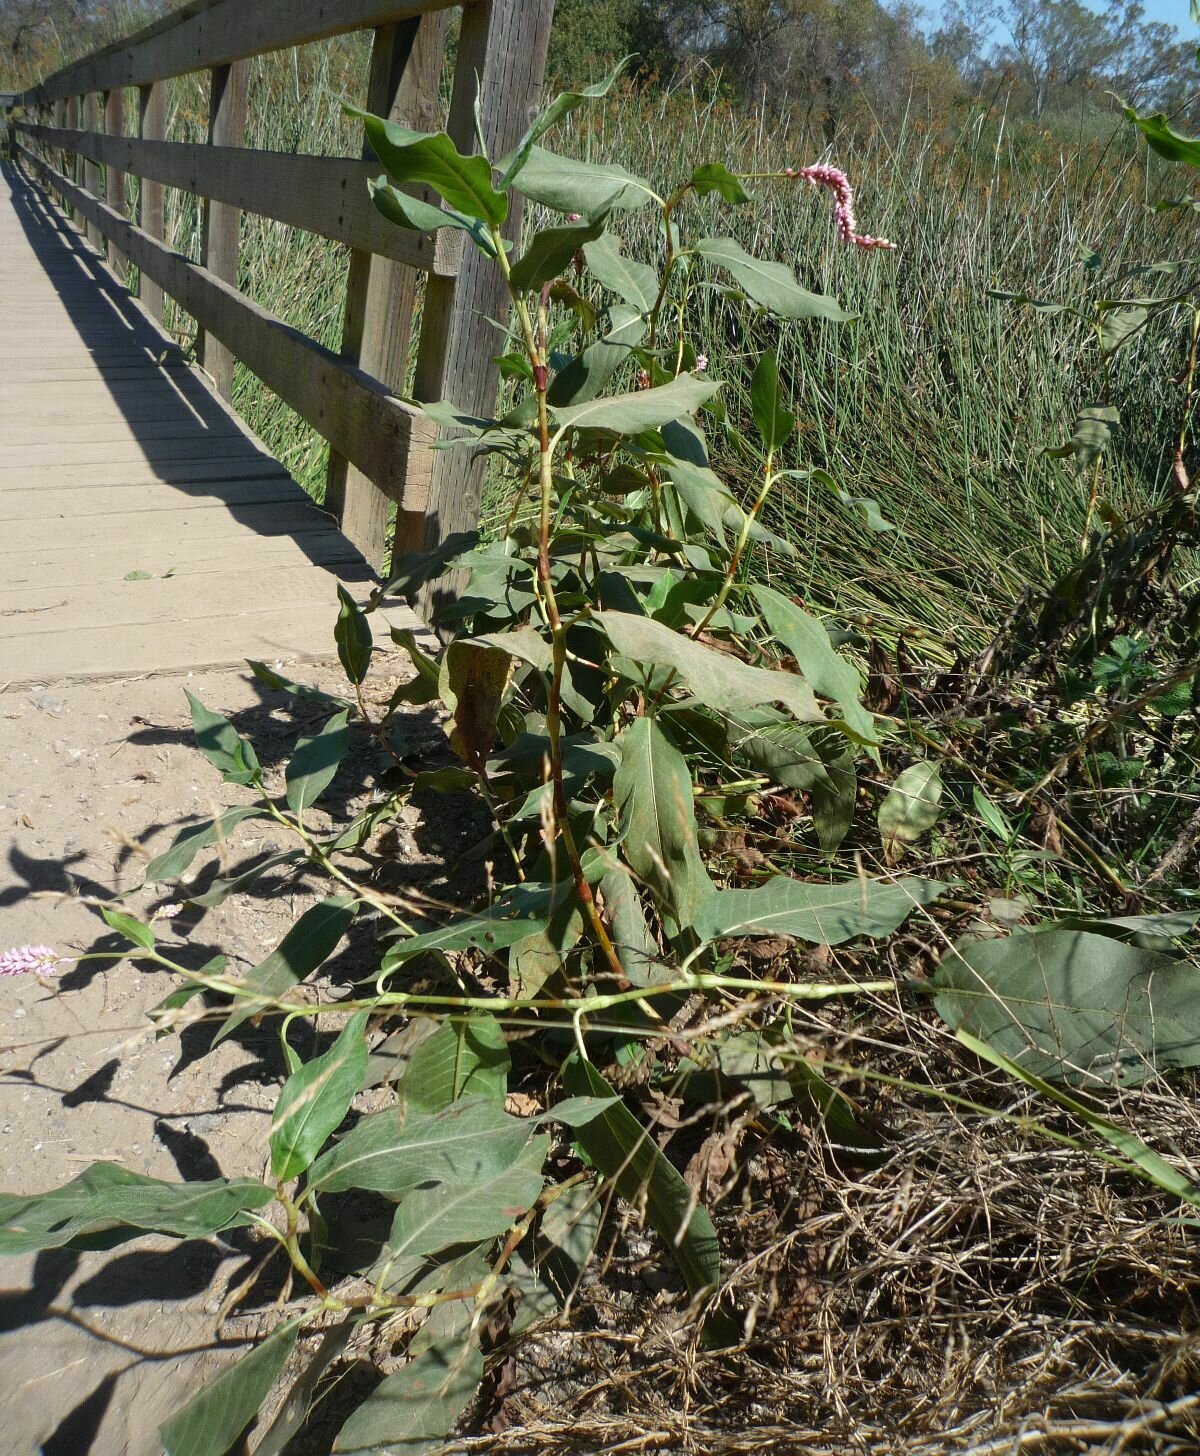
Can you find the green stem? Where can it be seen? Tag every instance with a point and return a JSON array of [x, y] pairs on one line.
[[534, 345], [739, 550]]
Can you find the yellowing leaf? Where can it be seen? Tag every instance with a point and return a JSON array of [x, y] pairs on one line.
[[472, 682]]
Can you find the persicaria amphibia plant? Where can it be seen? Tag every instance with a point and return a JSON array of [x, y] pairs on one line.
[[615, 654]]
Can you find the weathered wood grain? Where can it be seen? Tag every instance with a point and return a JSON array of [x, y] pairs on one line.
[[210, 33], [114, 178], [381, 294], [152, 132], [222, 224], [323, 195]]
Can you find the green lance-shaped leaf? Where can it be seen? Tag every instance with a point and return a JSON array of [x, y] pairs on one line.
[[716, 177], [910, 807], [625, 1152], [316, 1098], [395, 1151], [550, 252], [705, 494], [589, 372], [352, 633], [534, 961], [281, 684], [438, 1216], [467, 1056], [830, 674], [636, 283], [1120, 323], [771, 284], [410, 212], [220, 742], [559, 109], [632, 939], [308, 944], [1073, 1006], [652, 789], [315, 762], [589, 188], [298, 1402], [126, 925], [105, 1197], [488, 932], [432, 158], [720, 681], [414, 1410], [1091, 436], [424, 686], [767, 404], [644, 409], [187, 845], [212, 1421], [1166, 142], [221, 889], [820, 914]]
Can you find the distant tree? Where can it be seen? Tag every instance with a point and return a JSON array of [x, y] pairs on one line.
[[1058, 46], [815, 51], [589, 36]]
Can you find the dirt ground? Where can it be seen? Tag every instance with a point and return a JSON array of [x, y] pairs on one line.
[[98, 1349]]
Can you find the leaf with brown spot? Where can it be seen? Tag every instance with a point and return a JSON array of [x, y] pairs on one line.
[[471, 683]]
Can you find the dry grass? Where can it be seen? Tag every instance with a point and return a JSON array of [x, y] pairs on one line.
[[982, 1290]]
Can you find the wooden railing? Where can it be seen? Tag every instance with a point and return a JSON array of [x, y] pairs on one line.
[[76, 123]]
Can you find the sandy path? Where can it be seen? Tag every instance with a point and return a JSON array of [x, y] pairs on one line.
[[90, 769]]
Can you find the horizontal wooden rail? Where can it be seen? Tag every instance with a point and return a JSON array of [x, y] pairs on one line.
[[325, 195], [390, 441], [211, 33]]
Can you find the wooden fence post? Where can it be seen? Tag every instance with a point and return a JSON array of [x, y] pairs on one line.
[[114, 180], [505, 42], [59, 120], [152, 127], [91, 170], [381, 293], [222, 223]]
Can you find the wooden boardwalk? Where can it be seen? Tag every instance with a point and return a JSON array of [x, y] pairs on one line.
[[143, 528]]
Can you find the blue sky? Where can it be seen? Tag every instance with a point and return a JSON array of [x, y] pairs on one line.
[[1175, 12]]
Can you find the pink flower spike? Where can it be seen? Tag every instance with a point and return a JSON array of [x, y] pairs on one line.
[[169, 911], [701, 363], [574, 216], [821, 174], [29, 960]]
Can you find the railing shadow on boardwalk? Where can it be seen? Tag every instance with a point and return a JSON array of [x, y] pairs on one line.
[[170, 404]]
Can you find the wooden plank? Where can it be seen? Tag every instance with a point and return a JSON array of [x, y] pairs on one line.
[[323, 195], [68, 607], [289, 634], [505, 42], [321, 546], [27, 430], [211, 33], [390, 441], [71, 451], [152, 131], [105, 476], [129, 531], [114, 178], [68, 503], [381, 295], [222, 224]]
